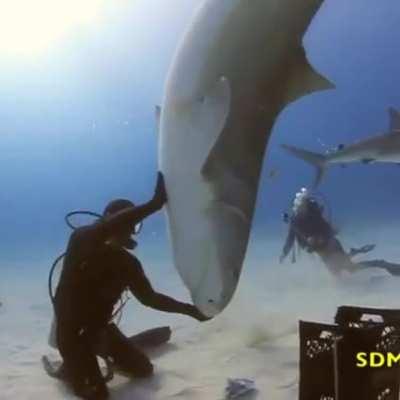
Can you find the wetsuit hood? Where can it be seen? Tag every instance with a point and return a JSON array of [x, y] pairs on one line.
[[117, 205]]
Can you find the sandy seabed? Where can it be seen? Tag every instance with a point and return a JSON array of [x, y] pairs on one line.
[[255, 337]]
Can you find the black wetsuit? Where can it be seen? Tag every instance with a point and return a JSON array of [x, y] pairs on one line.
[[94, 276], [313, 233]]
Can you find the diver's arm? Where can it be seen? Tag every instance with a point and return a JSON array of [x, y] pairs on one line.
[[133, 215], [141, 288], [288, 244]]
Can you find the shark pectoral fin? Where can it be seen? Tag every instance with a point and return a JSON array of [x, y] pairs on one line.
[[211, 113], [214, 106], [304, 79], [157, 113], [394, 116]]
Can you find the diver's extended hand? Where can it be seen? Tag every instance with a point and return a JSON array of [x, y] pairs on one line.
[[195, 313], [160, 194]]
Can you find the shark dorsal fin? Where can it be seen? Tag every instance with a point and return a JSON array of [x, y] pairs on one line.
[[394, 120]]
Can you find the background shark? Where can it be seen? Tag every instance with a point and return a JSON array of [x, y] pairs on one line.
[[380, 148]]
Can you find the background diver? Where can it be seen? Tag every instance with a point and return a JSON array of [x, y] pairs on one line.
[[312, 232], [96, 271]]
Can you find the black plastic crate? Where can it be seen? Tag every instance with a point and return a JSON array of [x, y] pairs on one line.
[[328, 369]]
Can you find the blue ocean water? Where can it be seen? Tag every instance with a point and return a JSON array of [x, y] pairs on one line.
[[78, 127]]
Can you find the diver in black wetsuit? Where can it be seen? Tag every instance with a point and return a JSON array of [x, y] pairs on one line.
[[313, 233], [96, 271]]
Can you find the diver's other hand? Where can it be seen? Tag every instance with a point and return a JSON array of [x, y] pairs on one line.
[[160, 194], [195, 313]]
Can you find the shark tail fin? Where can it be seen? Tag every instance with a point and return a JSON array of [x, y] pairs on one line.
[[315, 159]]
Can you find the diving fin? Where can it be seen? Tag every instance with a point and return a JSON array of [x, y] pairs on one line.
[[151, 338], [393, 270]]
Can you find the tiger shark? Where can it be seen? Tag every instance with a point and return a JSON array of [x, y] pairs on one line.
[[379, 148], [239, 63]]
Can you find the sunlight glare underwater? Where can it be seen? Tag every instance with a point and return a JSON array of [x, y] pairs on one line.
[[33, 26]]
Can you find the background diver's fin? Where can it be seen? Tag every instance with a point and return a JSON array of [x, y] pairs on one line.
[[392, 269], [304, 79], [318, 161], [394, 117]]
